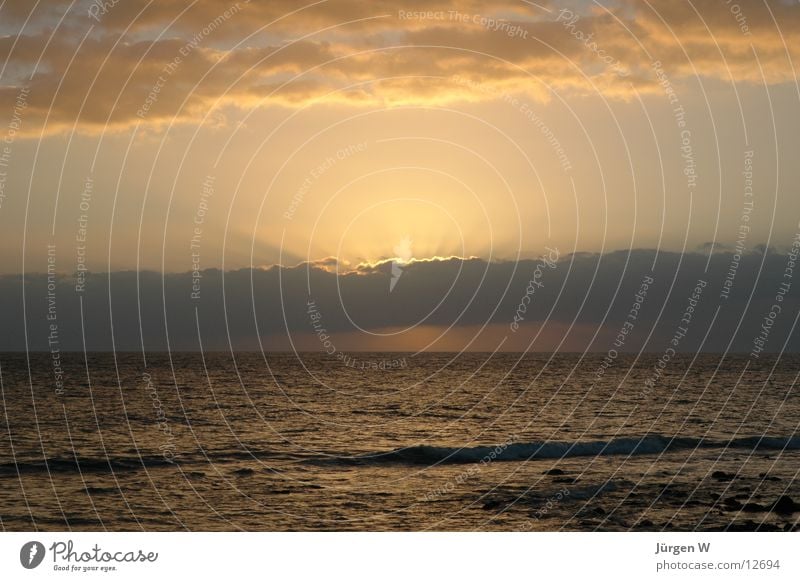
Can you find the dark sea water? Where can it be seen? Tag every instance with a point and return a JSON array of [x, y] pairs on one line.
[[398, 442]]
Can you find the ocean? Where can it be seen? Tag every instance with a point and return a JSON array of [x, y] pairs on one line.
[[398, 441]]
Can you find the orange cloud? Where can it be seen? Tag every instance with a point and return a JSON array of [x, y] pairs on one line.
[[156, 63]]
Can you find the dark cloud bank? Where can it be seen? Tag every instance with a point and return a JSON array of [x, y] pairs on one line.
[[593, 291]]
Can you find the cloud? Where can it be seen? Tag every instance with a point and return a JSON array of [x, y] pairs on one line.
[[287, 15], [311, 56], [752, 41], [582, 302]]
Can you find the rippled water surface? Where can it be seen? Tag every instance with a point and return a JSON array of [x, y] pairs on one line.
[[398, 442]]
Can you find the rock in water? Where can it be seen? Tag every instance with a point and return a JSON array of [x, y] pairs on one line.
[[785, 505]]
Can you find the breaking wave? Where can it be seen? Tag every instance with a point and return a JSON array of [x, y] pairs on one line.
[[650, 444]]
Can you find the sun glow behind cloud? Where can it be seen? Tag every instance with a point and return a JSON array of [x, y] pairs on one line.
[[338, 130]]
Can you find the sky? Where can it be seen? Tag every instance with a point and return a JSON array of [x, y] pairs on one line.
[[373, 140]]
